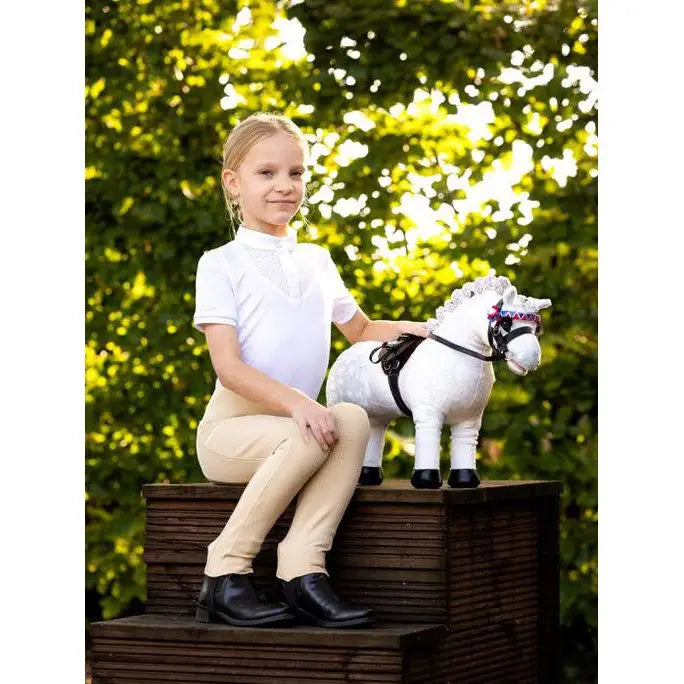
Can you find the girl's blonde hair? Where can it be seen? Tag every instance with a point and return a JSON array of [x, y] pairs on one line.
[[243, 137]]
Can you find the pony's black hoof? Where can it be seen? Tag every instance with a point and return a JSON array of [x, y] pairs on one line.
[[463, 478], [370, 476], [426, 479]]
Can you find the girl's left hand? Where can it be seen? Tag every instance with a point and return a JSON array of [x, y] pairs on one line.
[[413, 327]]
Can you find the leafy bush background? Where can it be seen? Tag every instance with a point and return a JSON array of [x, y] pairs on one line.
[[166, 81]]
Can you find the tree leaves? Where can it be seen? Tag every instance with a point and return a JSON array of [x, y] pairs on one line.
[[479, 126]]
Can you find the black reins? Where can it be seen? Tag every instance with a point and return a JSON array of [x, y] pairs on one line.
[[496, 356], [394, 354]]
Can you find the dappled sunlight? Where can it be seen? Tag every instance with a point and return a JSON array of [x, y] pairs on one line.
[[349, 151], [420, 209]]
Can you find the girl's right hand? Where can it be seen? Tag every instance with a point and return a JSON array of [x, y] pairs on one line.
[[308, 413]]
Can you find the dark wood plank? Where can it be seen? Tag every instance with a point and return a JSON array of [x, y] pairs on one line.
[[111, 674], [187, 629], [184, 651], [210, 671], [389, 491]]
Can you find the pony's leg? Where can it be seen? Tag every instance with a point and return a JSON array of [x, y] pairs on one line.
[[375, 446], [426, 473], [428, 437], [463, 443]]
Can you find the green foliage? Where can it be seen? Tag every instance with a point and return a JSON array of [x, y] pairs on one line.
[[166, 81]]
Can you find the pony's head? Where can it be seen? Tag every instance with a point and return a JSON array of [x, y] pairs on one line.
[[511, 326], [514, 326]]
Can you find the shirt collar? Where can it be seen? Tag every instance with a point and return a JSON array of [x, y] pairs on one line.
[[255, 238]]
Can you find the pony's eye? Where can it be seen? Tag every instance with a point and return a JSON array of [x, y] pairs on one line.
[[506, 324]]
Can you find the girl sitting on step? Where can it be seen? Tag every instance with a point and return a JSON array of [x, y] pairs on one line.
[[265, 303]]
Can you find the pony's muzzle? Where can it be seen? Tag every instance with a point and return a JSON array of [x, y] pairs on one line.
[[515, 366]]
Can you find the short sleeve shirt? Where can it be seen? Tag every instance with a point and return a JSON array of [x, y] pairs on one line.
[[281, 296]]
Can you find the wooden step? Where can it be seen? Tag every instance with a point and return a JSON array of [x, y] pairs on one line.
[[483, 562], [156, 648]]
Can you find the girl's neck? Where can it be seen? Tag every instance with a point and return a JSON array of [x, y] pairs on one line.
[[276, 231]]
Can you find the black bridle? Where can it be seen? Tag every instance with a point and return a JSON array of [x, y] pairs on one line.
[[500, 322], [394, 354]]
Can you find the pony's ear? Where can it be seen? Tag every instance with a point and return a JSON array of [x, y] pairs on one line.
[[509, 296], [542, 304]]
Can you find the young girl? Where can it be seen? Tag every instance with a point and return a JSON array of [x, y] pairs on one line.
[[265, 303]]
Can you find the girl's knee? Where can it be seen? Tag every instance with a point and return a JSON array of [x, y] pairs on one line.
[[352, 419]]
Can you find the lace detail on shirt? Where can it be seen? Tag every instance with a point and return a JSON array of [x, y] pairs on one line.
[[287, 271]]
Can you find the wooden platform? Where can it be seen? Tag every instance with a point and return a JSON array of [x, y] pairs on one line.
[[153, 648], [483, 563]]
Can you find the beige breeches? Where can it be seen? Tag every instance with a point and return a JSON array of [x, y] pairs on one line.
[[239, 442]]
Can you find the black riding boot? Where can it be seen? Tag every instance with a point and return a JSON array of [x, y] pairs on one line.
[[234, 599], [312, 598]]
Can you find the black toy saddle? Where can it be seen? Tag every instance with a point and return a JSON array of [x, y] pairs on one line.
[[392, 356]]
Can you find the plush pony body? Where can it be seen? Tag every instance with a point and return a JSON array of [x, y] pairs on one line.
[[439, 384]]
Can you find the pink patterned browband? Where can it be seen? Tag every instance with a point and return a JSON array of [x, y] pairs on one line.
[[515, 315]]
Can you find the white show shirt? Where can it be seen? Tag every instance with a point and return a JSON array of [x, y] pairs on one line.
[[281, 296]]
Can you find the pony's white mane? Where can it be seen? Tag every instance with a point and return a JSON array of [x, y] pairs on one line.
[[496, 284]]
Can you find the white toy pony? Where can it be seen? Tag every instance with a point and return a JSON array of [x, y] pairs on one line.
[[444, 378]]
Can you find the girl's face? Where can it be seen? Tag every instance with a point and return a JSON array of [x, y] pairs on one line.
[[269, 183]]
